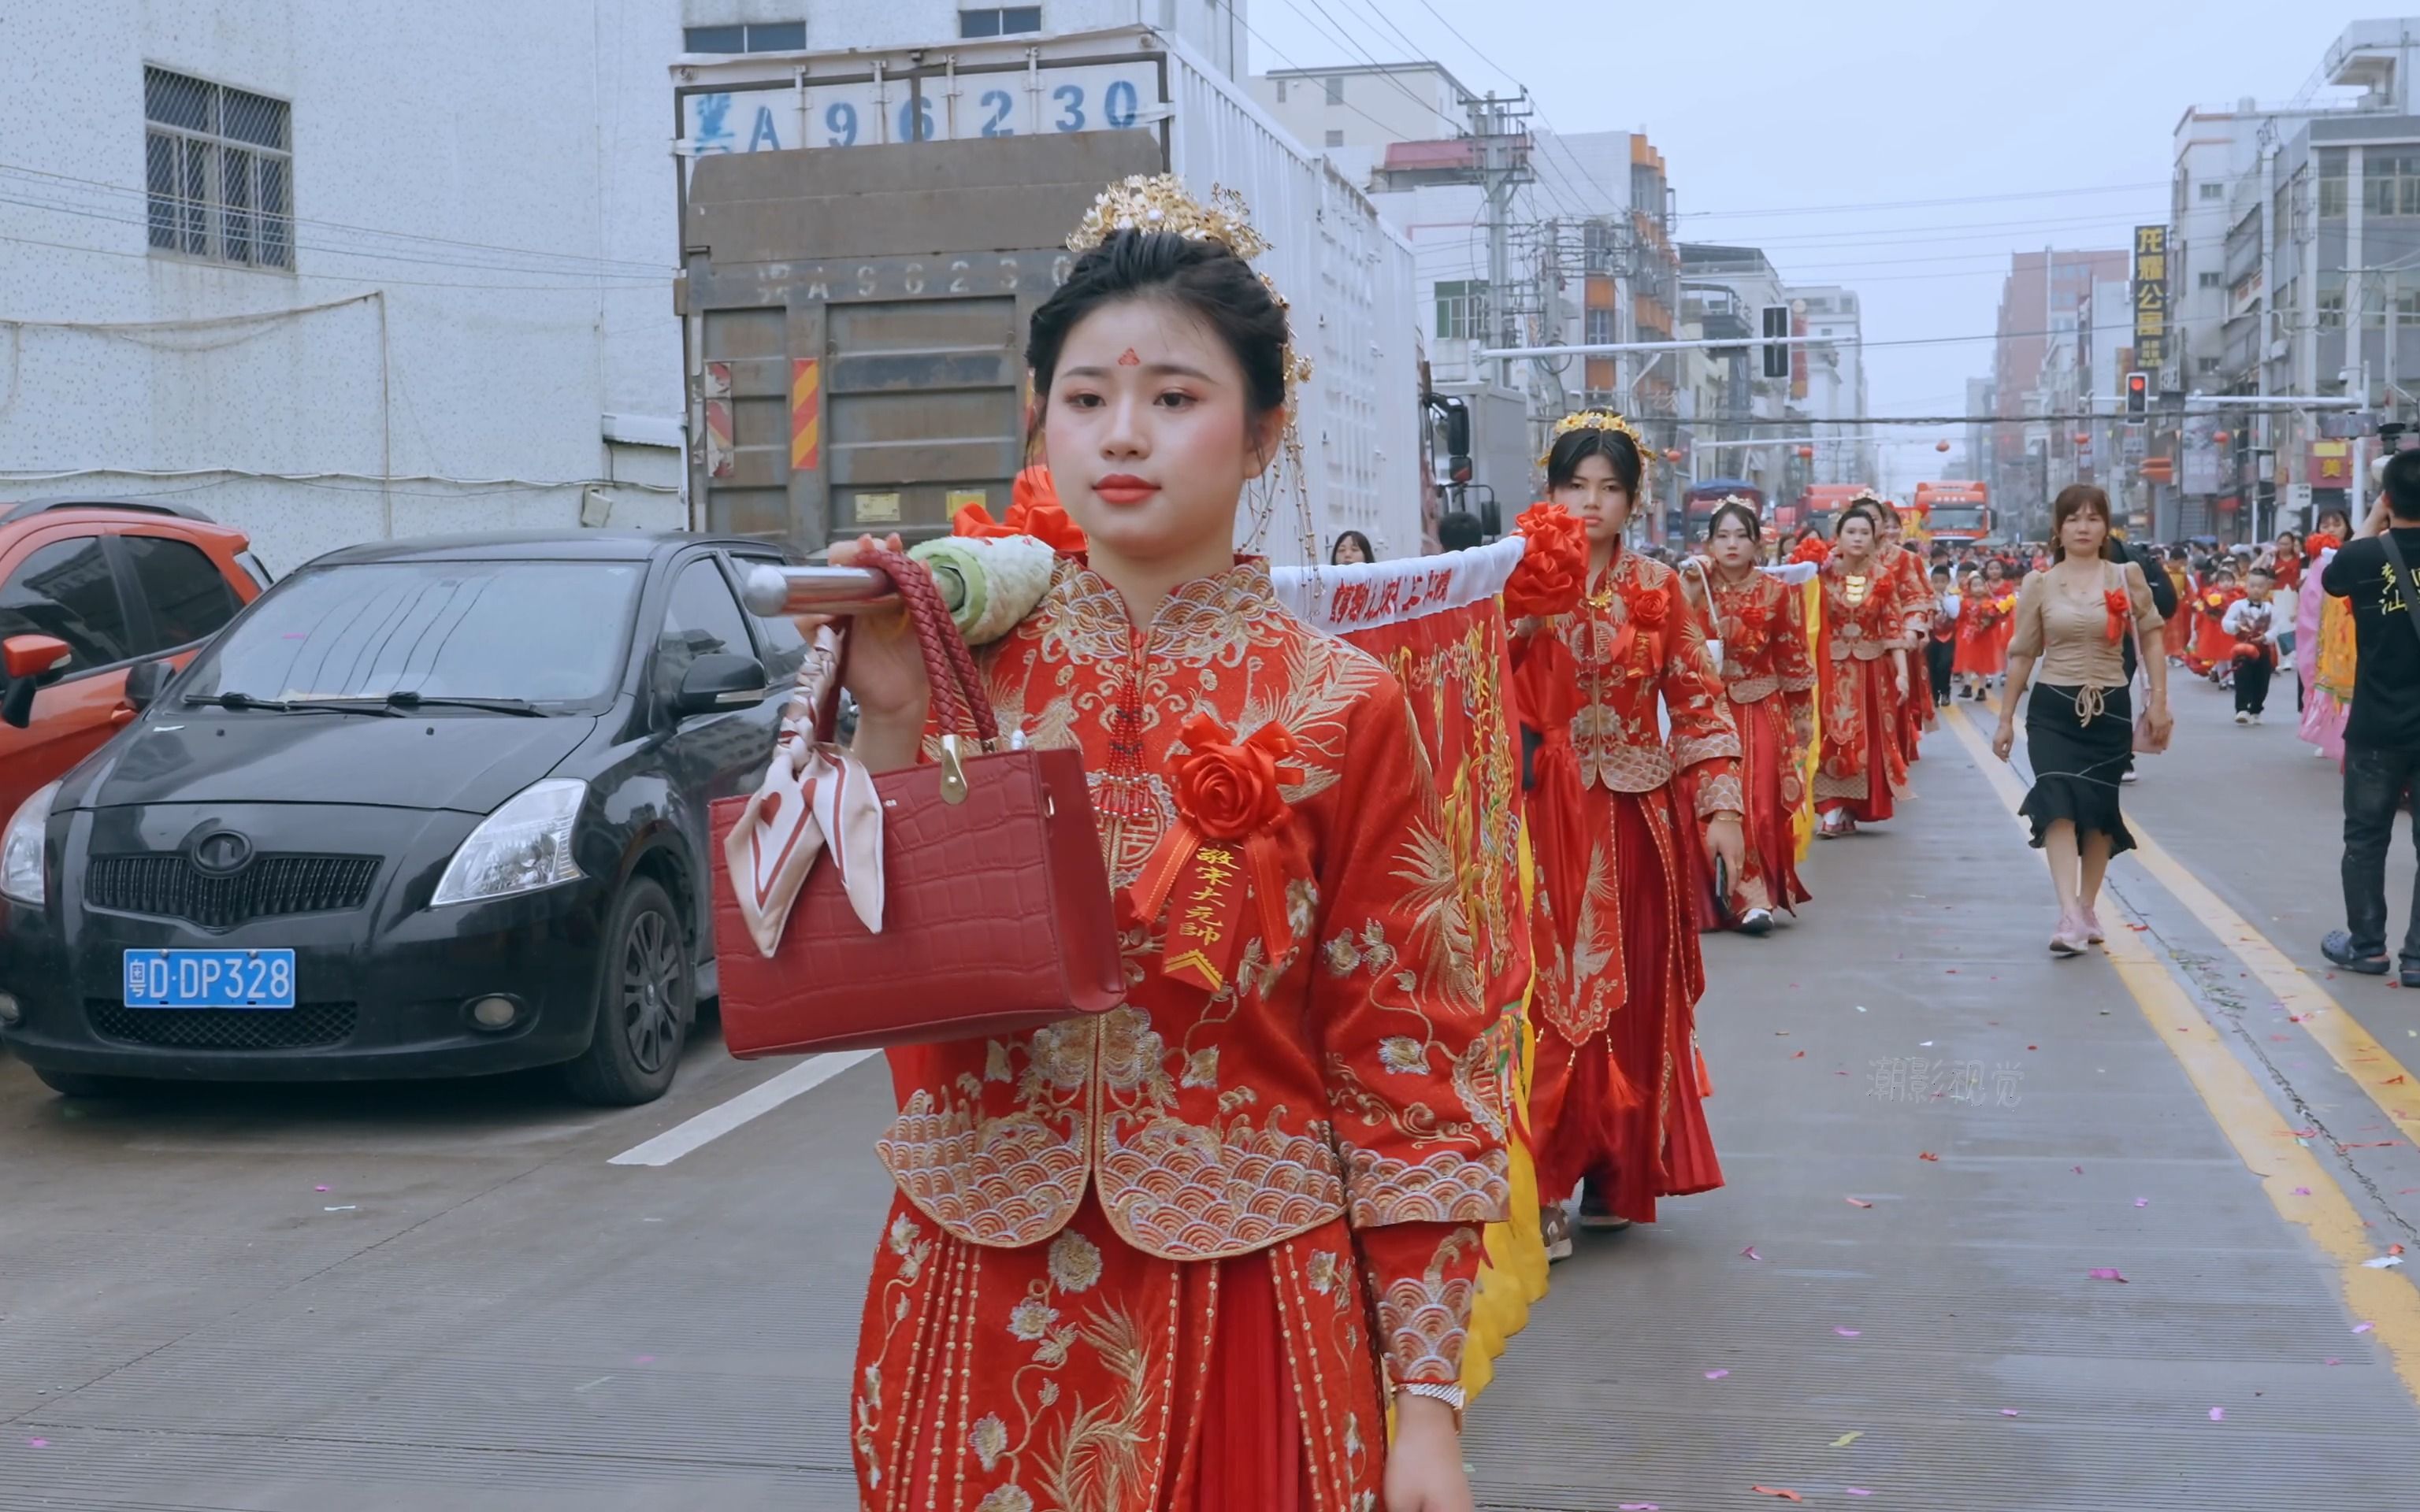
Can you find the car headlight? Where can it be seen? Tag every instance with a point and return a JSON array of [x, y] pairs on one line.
[[521, 847], [20, 847]]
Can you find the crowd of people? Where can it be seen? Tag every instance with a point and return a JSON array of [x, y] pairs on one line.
[[1228, 1244]]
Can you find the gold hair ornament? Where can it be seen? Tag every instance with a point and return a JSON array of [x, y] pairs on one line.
[[1598, 420], [1160, 202]]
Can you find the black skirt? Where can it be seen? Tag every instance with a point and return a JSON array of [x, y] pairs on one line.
[[2077, 762]]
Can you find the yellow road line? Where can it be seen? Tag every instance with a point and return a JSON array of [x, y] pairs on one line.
[[2373, 1067], [2269, 1149], [2356, 1052]]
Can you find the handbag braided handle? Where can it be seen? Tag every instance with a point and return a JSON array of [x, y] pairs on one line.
[[961, 704]]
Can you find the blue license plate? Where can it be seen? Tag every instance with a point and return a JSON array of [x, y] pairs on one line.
[[209, 979]]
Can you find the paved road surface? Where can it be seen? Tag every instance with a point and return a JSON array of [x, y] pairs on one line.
[[277, 1300]]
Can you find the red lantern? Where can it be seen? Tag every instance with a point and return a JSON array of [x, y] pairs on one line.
[[2219, 438], [1806, 453], [2083, 439], [1672, 455], [1941, 446]]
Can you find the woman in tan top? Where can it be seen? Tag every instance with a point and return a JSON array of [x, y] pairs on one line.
[[2073, 620]]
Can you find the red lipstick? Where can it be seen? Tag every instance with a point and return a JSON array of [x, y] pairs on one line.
[[1125, 488]]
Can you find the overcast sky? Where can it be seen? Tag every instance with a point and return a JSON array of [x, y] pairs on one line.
[[1773, 107]]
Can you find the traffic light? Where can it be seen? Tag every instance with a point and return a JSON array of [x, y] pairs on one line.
[[1776, 330], [2138, 398]]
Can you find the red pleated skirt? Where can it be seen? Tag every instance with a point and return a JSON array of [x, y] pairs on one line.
[[1251, 1430], [1771, 783], [1625, 1106], [991, 1377]]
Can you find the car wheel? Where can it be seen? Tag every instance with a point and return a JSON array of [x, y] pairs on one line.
[[645, 1002], [83, 1084]]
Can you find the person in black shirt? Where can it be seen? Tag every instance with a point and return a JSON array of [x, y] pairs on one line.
[[1459, 531], [2164, 598], [2382, 731]]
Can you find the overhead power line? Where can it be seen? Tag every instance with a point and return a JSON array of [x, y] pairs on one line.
[[136, 193], [590, 281], [343, 278]]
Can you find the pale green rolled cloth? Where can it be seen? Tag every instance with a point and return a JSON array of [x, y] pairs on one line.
[[992, 582]]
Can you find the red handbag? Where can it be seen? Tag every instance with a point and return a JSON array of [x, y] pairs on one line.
[[994, 903]]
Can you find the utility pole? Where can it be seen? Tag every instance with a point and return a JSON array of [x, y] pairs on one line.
[[1500, 153]]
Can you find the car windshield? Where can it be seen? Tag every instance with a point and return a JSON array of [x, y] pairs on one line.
[[1955, 518], [544, 632]]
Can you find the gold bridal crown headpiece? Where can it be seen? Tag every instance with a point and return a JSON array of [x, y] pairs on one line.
[[1596, 419], [1160, 202]]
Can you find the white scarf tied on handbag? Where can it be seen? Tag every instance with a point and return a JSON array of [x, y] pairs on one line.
[[815, 796]]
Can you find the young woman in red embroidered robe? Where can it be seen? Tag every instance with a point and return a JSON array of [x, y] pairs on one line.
[[1905, 570], [1864, 675], [1184, 1257], [1769, 678], [1615, 1104]]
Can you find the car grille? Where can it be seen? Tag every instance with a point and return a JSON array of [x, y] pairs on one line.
[[302, 1026], [171, 887]]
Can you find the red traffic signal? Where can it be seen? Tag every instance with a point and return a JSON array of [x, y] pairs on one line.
[[2138, 395]]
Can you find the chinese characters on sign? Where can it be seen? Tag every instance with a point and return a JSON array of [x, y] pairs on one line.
[[1915, 1079], [2150, 298], [1354, 604]]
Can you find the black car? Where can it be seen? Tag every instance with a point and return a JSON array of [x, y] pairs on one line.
[[425, 809]]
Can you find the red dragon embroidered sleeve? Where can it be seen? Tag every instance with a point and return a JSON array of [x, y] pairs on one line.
[[1410, 1070]]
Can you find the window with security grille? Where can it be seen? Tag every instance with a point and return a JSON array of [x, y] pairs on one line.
[[1002, 20], [751, 36], [218, 165]]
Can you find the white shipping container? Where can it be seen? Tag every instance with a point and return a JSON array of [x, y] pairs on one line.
[[1346, 274]]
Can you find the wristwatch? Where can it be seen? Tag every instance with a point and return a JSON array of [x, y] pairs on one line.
[[1452, 1396]]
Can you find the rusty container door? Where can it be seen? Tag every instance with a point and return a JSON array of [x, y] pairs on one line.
[[856, 324]]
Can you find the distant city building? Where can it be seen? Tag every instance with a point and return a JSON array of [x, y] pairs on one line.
[[2293, 227]]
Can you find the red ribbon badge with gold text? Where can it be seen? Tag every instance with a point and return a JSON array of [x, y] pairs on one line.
[[1233, 836]]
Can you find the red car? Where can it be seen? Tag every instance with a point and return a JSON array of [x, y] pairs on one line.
[[89, 589]]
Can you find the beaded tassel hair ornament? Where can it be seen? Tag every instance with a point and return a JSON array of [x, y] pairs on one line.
[[1161, 202]]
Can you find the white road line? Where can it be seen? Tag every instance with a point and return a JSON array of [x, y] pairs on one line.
[[755, 1102]]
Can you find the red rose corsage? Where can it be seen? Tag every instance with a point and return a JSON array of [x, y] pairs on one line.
[[1746, 633], [2120, 609], [1233, 836], [1814, 549], [2319, 541]]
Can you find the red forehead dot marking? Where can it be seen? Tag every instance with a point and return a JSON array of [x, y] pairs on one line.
[[1129, 359]]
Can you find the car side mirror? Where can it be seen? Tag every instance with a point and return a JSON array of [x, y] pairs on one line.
[[717, 683], [143, 682], [30, 661]]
